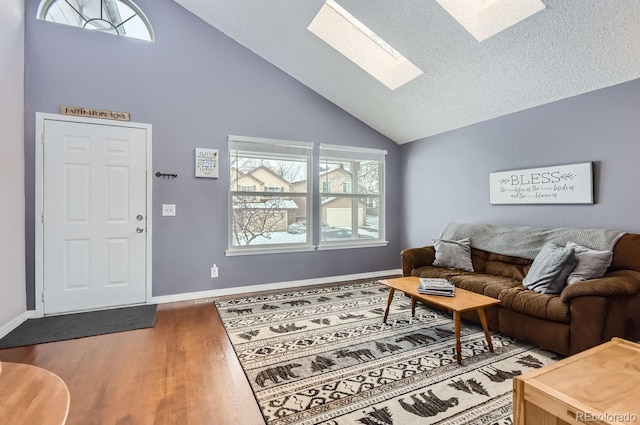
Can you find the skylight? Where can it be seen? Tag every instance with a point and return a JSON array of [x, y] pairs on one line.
[[485, 18], [342, 31]]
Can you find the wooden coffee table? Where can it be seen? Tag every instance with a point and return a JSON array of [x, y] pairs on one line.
[[599, 386], [462, 301]]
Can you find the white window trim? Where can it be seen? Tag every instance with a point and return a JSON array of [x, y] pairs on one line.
[[357, 243], [354, 149], [279, 249], [347, 152]]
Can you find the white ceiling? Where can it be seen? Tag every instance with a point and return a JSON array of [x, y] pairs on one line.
[[568, 48]]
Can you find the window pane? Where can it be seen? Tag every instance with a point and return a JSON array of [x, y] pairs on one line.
[[335, 176], [336, 213], [370, 228], [369, 177], [269, 220], [336, 234], [268, 175], [337, 216]]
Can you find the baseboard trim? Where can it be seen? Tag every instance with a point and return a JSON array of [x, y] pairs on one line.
[[14, 323], [187, 296]]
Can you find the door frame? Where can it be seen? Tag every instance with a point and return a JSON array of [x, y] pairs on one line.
[[39, 198]]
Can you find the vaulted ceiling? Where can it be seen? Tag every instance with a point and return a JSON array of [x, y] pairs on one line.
[[568, 48]]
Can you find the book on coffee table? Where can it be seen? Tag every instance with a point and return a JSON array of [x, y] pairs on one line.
[[435, 286]]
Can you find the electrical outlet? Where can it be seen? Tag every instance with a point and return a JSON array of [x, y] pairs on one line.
[[214, 271], [204, 300], [168, 210]]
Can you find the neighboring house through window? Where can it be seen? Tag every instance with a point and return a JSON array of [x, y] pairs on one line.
[[268, 209], [352, 198]]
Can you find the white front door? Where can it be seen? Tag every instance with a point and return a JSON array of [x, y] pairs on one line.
[[94, 221]]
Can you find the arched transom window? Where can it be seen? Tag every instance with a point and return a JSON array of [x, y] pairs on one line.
[[120, 17]]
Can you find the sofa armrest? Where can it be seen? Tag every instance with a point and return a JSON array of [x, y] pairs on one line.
[[621, 282], [412, 258]]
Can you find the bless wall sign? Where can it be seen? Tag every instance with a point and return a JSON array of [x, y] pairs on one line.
[[562, 184]]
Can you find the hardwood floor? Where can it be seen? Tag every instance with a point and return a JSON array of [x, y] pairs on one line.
[[182, 371]]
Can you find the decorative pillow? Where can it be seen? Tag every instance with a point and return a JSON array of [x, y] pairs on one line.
[[591, 263], [453, 254], [550, 269]]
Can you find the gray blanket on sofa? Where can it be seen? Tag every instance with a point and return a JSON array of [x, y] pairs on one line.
[[526, 241]]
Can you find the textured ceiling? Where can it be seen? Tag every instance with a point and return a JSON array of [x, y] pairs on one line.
[[568, 48]]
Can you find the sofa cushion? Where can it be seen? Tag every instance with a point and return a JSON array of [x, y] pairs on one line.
[[437, 272], [507, 266], [484, 284], [500, 265], [591, 263], [546, 334], [453, 254], [543, 306], [550, 269], [479, 259]]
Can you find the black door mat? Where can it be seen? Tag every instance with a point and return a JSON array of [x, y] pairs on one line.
[[79, 325]]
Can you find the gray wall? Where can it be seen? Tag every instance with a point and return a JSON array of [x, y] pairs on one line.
[[446, 177], [195, 86], [12, 262]]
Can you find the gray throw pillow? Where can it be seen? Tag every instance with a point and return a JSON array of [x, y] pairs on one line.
[[550, 269], [591, 263], [453, 254]]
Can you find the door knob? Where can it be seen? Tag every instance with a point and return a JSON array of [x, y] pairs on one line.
[[139, 217], [139, 229]]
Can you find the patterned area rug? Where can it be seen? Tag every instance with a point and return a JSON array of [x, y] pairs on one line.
[[323, 356]]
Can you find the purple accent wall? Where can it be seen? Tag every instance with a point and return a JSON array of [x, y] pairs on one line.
[[446, 177], [195, 86]]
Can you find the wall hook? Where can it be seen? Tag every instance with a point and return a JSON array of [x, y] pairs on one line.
[[166, 175]]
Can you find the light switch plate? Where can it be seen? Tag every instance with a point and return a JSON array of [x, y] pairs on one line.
[[168, 210]]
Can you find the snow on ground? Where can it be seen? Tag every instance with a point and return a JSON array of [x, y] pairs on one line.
[[286, 238]]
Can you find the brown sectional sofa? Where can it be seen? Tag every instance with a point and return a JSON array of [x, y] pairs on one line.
[[585, 314]]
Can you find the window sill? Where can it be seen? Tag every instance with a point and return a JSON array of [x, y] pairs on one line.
[[327, 246], [274, 250]]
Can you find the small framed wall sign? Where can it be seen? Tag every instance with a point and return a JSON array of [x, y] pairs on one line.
[[207, 163], [562, 184]]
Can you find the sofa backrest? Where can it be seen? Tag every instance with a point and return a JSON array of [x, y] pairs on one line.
[[499, 265], [626, 256], [626, 253]]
